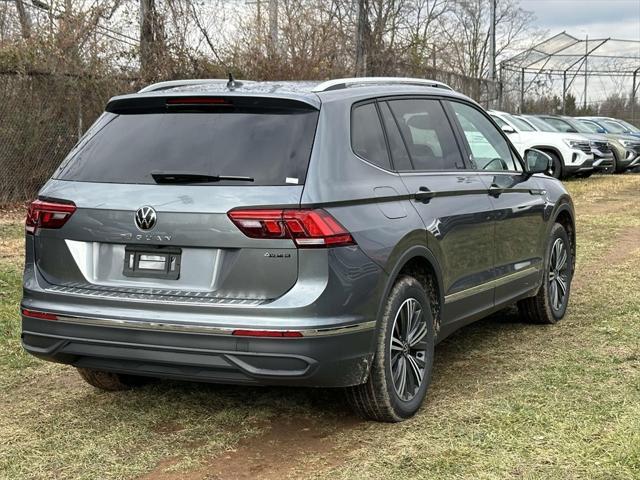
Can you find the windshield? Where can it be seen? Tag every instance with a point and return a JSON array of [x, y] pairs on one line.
[[614, 127], [590, 126], [542, 125], [520, 124], [630, 126], [560, 125], [271, 148]]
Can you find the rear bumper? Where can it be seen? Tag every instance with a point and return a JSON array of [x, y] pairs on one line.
[[333, 305], [335, 358]]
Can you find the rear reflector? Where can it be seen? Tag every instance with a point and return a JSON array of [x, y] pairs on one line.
[[267, 333], [307, 228], [43, 214], [40, 315]]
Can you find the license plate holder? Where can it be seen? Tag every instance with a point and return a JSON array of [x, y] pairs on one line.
[[152, 262]]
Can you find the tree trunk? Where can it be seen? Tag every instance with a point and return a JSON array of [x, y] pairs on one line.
[[361, 26], [25, 19], [151, 40]]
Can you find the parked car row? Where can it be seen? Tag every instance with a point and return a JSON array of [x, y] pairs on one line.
[[578, 146]]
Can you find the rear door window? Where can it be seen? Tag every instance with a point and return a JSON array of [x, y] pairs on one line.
[[399, 154], [271, 146], [427, 134]]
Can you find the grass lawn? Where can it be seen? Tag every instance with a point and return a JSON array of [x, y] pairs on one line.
[[508, 400]]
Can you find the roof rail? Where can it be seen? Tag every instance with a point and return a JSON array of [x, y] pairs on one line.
[[183, 83], [341, 83]]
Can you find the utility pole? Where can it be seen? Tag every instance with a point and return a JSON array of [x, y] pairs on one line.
[[492, 53], [25, 19], [361, 25]]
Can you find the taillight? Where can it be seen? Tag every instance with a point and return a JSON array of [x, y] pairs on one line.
[[307, 228], [43, 214]]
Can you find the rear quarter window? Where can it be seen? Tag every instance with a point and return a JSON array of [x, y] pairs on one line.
[[367, 136]]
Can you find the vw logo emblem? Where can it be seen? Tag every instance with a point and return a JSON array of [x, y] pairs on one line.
[[146, 218]]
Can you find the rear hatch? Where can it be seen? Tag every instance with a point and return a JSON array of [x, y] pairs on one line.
[[153, 182]]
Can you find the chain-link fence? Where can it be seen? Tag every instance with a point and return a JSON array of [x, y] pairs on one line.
[[41, 118]]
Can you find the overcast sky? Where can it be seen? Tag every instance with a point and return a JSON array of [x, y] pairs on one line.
[[600, 18]]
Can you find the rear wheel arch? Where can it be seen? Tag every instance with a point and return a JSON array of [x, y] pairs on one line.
[[420, 263], [549, 148]]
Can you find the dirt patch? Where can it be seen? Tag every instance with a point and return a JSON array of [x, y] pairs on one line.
[[621, 247], [274, 455], [602, 203]]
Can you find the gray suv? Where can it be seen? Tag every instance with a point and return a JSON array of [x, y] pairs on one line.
[[311, 234]]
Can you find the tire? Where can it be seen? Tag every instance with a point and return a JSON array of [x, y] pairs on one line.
[[545, 307], [381, 398], [109, 381], [616, 164], [614, 167], [556, 171]]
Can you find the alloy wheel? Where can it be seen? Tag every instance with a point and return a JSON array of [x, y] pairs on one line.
[[558, 274], [408, 349]]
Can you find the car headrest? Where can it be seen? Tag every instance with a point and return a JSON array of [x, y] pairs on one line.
[[421, 122]]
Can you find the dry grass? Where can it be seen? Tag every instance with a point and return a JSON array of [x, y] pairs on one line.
[[508, 400]]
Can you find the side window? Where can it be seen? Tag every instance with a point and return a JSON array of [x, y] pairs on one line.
[[489, 149], [367, 137], [427, 134], [399, 154]]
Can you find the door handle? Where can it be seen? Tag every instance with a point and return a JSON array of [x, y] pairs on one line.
[[424, 195], [495, 190]]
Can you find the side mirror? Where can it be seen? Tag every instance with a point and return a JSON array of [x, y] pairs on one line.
[[537, 161], [508, 129], [601, 130]]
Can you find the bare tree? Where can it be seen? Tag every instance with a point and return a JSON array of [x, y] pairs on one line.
[[466, 33]]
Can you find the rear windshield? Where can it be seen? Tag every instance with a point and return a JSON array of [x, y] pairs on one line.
[[272, 147]]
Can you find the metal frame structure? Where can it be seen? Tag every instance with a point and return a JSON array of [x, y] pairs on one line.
[[568, 57]]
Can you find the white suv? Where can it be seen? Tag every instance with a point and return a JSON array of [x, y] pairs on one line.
[[571, 153]]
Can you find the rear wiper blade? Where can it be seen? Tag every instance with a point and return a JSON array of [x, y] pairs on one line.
[[183, 177]]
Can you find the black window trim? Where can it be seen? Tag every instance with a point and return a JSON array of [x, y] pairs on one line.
[[460, 132], [438, 99]]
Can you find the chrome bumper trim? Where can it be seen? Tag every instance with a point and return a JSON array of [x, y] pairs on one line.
[[205, 329]]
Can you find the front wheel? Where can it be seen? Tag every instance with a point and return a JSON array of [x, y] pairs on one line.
[[401, 370], [556, 166], [550, 303]]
